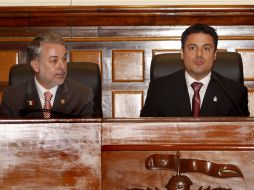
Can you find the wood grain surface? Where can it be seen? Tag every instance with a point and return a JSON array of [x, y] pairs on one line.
[[110, 154], [38, 156], [128, 143]]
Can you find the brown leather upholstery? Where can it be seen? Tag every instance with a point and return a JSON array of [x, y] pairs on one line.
[[85, 72], [228, 64]]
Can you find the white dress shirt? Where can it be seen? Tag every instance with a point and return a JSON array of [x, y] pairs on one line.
[[190, 80], [41, 90]]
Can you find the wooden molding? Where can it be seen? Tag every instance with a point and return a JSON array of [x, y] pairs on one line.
[[125, 15]]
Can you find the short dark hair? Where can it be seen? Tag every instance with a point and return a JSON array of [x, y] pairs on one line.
[[34, 49], [200, 28]]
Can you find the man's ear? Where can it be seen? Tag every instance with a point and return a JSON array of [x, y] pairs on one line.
[[215, 55], [181, 54], [35, 65]]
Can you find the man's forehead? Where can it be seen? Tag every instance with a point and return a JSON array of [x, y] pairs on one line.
[[52, 47], [199, 44], [51, 44], [200, 39]]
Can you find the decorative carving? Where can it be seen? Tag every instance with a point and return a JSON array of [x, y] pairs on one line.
[[171, 162], [179, 182], [182, 182]]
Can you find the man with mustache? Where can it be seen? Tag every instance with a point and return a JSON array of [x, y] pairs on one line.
[[50, 94], [173, 95]]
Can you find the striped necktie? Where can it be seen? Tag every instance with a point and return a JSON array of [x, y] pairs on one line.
[[47, 105], [196, 98]]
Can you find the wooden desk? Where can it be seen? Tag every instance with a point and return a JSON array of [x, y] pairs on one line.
[[59, 155], [128, 143], [110, 154]]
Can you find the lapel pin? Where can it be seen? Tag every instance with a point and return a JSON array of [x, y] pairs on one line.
[[31, 102], [62, 101], [215, 99]]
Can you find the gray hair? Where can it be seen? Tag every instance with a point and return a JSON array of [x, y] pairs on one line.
[[34, 49]]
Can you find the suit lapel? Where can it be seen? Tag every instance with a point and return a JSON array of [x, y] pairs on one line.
[[182, 96], [61, 98], [33, 103], [211, 100]]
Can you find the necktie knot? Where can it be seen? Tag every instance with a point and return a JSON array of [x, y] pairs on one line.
[[48, 96], [47, 106], [196, 86]]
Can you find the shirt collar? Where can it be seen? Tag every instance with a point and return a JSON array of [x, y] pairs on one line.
[[41, 90], [190, 80]]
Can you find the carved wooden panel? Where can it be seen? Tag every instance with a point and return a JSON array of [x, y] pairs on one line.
[[127, 65], [127, 103], [127, 145], [94, 56], [50, 155], [248, 63], [126, 170], [8, 58]]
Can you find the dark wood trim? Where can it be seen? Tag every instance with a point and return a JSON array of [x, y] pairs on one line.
[[181, 147], [119, 39], [56, 122], [125, 15], [176, 119]]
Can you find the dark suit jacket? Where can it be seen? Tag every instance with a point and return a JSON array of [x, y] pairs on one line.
[[72, 100], [168, 97]]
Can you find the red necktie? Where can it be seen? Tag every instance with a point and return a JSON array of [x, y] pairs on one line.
[[196, 98], [47, 105]]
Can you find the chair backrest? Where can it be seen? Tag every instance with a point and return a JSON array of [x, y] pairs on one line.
[[85, 72], [228, 64]]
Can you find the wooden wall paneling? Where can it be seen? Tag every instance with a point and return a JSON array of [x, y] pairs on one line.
[[241, 40], [8, 58], [147, 44], [108, 45], [248, 63], [112, 28], [126, 104], [161, 51], [127, 65], [251, 101], [94, 56], [27, 33], [125, 15]]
